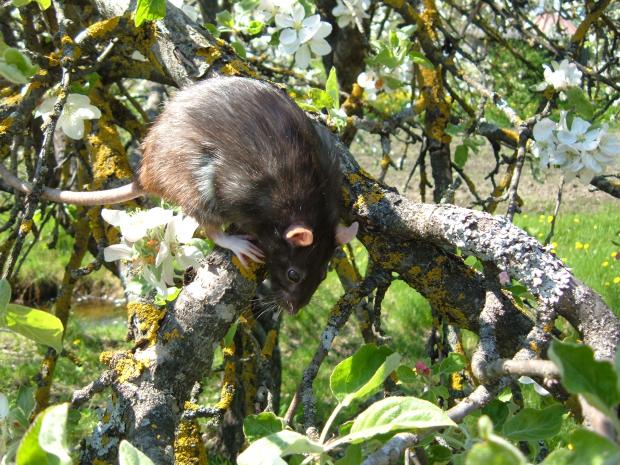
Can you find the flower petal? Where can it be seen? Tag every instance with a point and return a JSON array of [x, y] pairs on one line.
[[298, 13], [72, 127], [324, 30], [288, 36], [117, 252], [163, 254], [543, 129], [185, 228], [114, 217], [283, 21], [302, 57], [45, 108], [87, 112], [320, 47]]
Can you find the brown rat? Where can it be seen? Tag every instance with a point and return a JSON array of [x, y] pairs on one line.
[[234, 150]]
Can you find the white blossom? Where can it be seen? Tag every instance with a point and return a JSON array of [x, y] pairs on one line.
[[135, 226], [562, 75], [346, 15], [77, 108], [579, 149], [301, 35], [173, 247], [268, 9], [370, 82], [121, 251]]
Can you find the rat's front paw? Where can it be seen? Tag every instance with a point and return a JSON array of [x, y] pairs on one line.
[[241, 247]]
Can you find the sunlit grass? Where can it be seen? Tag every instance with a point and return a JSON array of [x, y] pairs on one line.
[[585, 243]]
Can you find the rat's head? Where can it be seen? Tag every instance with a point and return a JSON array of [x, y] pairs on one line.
[[298, 263]]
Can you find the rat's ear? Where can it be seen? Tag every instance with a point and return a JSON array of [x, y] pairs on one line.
[[346, 234], [298, 235]]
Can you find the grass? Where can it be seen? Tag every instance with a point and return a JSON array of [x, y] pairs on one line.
[[585, 243]]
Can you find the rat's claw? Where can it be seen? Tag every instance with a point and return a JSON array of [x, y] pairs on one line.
[[240, 246]]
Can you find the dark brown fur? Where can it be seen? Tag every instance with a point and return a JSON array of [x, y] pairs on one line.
[[239, 151]]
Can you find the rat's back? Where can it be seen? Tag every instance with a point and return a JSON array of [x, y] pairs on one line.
[[237, 150]]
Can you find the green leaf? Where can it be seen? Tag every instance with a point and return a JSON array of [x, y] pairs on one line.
[[580, 103], [460, 155], [25, 399], [239, 49], [255, 27], [45, 442], [12, 73], [363, 373], [558, 457], [497, 411], [130, 455], [29, 451], [453, 363], [53, 433], [13, 56], [437, 453], [230, 334], [320, 98], [261, 425], [42, 327], [225, 18], [212, 28], [420, 59], [407, 374], [270, 449], [396, 414], [590, 448], [5, 295], [582, 374], [492, 453], [19, 3], [532, 425], [352, 455], [333, 89], [149, 10]]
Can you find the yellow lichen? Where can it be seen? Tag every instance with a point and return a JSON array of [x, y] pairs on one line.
[[227, 392], [248, 273], [25, 227], [172, 335], [236, 67], [128, 368], [12, 100], [148, 317], [102, 28], [188, 446], [190, 406], [368, 199], [456, 381], [209, 53], [270, 343], [5, 125]]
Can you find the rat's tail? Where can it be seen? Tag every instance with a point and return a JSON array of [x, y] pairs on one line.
[[108, 196]]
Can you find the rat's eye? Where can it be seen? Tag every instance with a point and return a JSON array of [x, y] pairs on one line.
[[293, 275]]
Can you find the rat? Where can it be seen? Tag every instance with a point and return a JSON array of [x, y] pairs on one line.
[[234, 150]]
